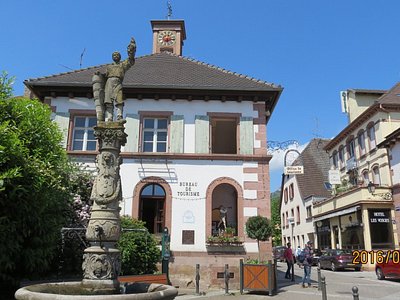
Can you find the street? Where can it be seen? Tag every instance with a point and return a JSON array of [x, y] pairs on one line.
[[338, 285]]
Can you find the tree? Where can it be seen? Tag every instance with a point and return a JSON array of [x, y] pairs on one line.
[[276, 219], [258, 228], [6, 84], [35, 189], [139, 251]]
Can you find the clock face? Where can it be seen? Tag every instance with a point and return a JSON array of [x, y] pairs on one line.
[[166, 38]]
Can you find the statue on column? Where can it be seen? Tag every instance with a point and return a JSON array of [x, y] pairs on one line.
[[107, 87]]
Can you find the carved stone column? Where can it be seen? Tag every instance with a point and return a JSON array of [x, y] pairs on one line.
[[101, 261]]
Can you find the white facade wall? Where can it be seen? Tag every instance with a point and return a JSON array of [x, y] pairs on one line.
[[395, 163], [188, 213], [303, 229]]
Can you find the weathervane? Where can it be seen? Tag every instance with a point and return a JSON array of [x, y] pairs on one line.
[[169, 7]]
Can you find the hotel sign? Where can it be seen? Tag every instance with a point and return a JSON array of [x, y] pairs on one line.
[[294, 170]]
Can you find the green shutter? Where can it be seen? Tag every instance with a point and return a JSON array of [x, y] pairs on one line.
[[176, 134], [246, 135], [62, 120], [202, 134], [132, 130]]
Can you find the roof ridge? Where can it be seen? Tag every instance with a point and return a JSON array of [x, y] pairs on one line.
[[78, 70], [214, 67], [66, 73]]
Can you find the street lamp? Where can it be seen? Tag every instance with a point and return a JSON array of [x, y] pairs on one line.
[[371, 188]]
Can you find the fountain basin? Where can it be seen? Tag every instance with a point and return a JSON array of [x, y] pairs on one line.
[[77, 291]]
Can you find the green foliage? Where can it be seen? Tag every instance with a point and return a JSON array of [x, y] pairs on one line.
[[34, 193], [6, 84], [276, 220], [139, 251], [258, 228]]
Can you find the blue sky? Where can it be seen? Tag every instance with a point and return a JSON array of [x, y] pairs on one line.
[[313, 48]]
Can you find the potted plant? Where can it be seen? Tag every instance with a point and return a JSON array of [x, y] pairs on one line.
[[257, 275]]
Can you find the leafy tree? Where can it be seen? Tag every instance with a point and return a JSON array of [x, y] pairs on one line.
[[258, 228], [276, 219], [139, 251], [6, 84], [35, 192]]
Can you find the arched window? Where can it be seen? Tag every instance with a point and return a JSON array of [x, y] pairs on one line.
[[365, 177], [152, 207], [361, 143], [335, 159], [376, 178], [341, 156], [350, 145], [371, 136]]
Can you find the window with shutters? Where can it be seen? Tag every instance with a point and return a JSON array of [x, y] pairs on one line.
[[224, 135], [154, 134], [83, 138]]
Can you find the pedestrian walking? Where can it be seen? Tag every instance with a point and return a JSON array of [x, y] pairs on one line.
[[288, 255], [307, 263]]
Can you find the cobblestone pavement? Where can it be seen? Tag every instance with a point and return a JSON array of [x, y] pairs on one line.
[[339, 286]]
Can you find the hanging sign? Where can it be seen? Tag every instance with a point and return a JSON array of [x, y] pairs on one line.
[[293, 170]]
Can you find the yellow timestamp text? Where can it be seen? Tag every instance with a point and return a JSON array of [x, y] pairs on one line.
[[379, 256]]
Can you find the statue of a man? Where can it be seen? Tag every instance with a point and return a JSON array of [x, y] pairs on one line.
[[113, 78]]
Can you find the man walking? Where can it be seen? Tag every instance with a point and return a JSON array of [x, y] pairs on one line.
[[288, 255], [307, 263]]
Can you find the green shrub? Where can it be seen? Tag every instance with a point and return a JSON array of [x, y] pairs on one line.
[[34, 189], [139, 251]]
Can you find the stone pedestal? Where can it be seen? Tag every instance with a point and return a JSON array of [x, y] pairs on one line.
[[101, 263]]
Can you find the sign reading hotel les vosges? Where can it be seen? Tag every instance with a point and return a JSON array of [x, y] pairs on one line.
[[379, 217]]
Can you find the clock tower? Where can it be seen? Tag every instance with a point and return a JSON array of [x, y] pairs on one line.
[[168, 36]]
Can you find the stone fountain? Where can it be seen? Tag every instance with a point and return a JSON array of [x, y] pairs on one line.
[[101, 261]]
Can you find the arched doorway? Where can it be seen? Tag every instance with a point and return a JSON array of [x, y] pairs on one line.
[[224, 208], [152, 207]]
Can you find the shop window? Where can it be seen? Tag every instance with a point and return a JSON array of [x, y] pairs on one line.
[[381, 229], [371, 137], [224, 135], [154, 134], [83, 138]]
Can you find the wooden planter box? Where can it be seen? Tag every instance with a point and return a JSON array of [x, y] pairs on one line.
[[147, 278], [258, 277]]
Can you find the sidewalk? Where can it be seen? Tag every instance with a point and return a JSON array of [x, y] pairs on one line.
[[287, 289]]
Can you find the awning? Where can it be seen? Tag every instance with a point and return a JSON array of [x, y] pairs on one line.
[[337, 213]]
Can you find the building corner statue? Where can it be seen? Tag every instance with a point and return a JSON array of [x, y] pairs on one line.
[[107, 87], [101, 261]]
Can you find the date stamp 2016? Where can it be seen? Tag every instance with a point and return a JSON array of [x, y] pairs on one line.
[[371, 257]]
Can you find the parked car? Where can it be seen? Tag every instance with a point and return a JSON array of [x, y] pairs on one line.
[[387, 268], [316, 255], [336, 259], [278, 252]]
